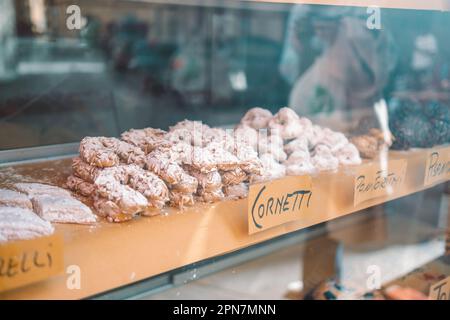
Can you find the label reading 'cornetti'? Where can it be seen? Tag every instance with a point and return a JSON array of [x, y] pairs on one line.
[[440, 290], [277, 202], [377, 180], [28, 261], [438, 166]]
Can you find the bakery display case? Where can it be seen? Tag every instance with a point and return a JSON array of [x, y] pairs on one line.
[[224, 149]]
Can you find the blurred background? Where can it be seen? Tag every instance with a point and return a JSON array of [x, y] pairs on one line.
[[152, 63]]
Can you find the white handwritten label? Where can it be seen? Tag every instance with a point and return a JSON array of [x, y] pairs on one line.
[[374, 180], [277, 202], [437, 168], [29, 261], [440, 290]]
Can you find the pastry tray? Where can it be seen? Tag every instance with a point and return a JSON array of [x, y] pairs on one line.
[[112, 255]]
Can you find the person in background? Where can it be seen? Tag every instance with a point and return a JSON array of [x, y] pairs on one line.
[[333, 61]]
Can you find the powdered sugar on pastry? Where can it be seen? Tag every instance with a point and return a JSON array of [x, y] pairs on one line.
[[147, 139], [244, 134], [233, 177], [187, 184], [271, 170], [128, 200], [323, 158], [110, 210], [62, 209], [34, 189], [257, 118], [80, 186], [148, 184], [299, 144], [84, 170], [159, 163], [93, 152], [207, 181], [10, 198], [181, 200], [238, 191], [127, 153], [286, 122], [210, 196], [348, 155], [249, 160], [22, 224]]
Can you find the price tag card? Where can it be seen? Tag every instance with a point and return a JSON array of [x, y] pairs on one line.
[[29, 261], [437, 168], [441, 290], [277, 202], [376, 180]]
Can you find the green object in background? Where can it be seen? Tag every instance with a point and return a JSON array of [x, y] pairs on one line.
[[321, 102]]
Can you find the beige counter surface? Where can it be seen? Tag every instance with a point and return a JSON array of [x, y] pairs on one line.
[[113, 255]]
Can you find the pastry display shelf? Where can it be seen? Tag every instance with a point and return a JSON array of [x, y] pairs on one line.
[[111, 256]]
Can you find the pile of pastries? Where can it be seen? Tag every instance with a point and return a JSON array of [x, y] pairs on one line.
[[148, 169], [28, 209]]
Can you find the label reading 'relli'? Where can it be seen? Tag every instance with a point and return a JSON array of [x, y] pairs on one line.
[[29, 261]]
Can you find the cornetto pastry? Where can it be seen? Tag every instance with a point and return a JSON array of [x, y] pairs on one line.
[[22, 224], [10, 198], [80, 186], [95, 153], [110, 210], [299, 144], [35, 189], [299, 163], [127, 152], [233, 177], [160, 163], [323, 158], [301, 168], [257, 118], [185, 136], [129, 201], [190, 125], [180, 199], [244, 134], [369, 145], [271, 169], [207, 181], [62, 209], [276, 152], [210, 196], [272, 144], [348, 155], [149, 185], [200, 159], [221, 158], [286, 123], [333, 140], [187, 184], [237, 191], [273, 139], [218, 136], [147, 139], [84, 170], [249, 160]]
